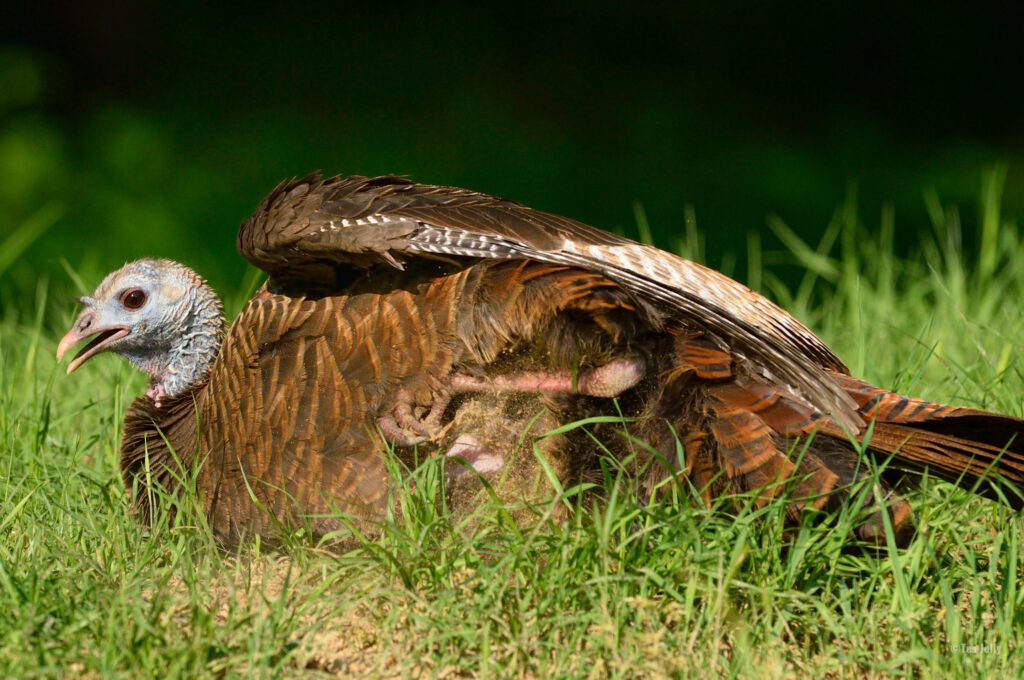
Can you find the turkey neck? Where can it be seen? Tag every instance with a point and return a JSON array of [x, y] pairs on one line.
[[199, 334]]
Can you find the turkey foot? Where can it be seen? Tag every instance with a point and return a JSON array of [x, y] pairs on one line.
[[406, 425]]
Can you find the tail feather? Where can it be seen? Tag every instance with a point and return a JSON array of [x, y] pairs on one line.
[[959, 444], [748, 426], [960, 460]]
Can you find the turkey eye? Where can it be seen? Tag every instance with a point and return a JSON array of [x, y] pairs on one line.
[[134, 298]]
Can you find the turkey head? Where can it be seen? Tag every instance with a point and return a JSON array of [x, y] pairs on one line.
[[157, 314]]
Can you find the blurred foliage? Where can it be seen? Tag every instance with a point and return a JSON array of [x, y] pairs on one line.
[[155, 129]]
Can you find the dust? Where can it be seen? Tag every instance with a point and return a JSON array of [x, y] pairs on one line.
[[341, 636], [512, 427]]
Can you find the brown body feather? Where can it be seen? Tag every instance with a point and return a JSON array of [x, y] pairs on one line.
[[288, 417]]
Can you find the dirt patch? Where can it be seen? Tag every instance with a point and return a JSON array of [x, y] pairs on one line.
[[508, 427]]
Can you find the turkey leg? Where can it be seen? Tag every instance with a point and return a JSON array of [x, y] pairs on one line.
[[405, 428]]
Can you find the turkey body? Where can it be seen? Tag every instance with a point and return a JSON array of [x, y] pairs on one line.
[[391, 306], [313, 375]]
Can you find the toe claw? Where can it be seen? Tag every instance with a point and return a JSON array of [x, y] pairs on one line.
[[396, 434], [409, 423]]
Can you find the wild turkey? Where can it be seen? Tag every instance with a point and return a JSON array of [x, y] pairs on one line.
[[393, 309]]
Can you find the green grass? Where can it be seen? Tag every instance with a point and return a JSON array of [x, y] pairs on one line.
[[618, 590]]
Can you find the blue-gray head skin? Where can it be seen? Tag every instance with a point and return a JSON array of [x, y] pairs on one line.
[[158, 314]]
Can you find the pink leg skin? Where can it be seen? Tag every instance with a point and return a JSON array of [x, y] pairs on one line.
[[468, 448], [609, 380], [405, 428]]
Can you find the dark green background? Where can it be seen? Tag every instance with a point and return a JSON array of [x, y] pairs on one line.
[[155, 129]]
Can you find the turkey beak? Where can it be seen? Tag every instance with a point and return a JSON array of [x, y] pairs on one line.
[[86, 327]]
